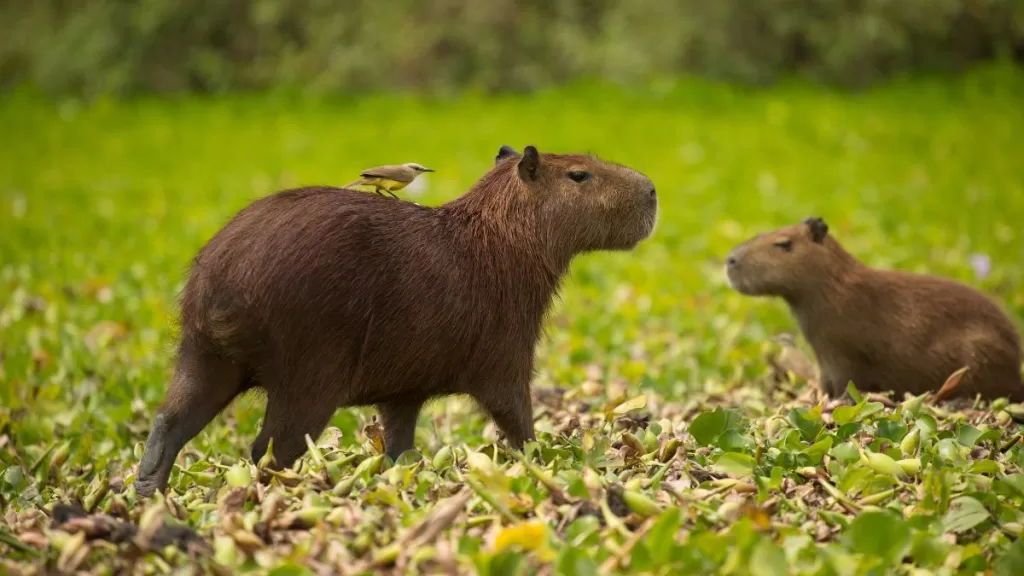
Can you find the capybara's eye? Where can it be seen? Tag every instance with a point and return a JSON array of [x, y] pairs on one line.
[[785, 244], [579, 176]]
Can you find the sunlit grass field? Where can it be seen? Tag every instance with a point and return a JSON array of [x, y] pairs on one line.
[[103, 205]]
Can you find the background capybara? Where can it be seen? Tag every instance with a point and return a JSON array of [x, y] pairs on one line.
[[328, 297], [882, 329]]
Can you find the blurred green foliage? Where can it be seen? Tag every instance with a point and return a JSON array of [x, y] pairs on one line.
[[919, 175], [110, 46]]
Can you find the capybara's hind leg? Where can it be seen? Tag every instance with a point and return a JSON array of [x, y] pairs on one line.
[[203, 385], [399, 422], [289, 418]]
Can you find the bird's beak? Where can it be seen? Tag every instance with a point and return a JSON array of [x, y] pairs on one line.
[[428, 169]]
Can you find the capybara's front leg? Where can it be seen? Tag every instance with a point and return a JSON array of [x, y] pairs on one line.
[[511, 409], [399, 421], [291, 415]]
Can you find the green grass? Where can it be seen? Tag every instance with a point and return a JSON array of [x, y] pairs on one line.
[[102, 206]]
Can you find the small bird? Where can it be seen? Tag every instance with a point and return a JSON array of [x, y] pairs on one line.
[[390, 178]]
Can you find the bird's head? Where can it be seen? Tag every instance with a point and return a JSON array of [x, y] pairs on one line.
[[418, 167]]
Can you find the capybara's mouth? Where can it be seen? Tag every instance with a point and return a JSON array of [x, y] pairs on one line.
[[735, 280]]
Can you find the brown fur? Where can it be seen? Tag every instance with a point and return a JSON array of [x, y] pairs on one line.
[[327, 297], [884, 330]]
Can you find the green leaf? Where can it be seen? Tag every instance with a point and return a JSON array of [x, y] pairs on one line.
[[767, 559], [807, 421], [507, 563], [991, 435], [847, 414], [289, 569], [735, 463], [818, 450], [927, 425], [1015, 482], [847, 430], [660, 539], [985, 467], [892, 430], [707, 427], [575, 561], [968, 435], [637, 403], [847, 451], [408, 458], [1011, 562], [854, 394], [964, 513], [880, 534], [947, 450], [733, 441]]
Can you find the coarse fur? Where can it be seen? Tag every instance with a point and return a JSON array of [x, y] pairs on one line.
[[327, 297], [884, 330]]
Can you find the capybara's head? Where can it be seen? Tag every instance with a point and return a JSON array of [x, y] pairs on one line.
[[783, 262], [582, 201]]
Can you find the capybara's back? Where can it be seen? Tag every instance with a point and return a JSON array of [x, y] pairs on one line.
[[327, 297]]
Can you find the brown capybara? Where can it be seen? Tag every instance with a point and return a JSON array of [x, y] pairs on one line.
[[328, 297], [884, 330]]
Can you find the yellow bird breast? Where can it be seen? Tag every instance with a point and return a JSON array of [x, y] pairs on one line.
[[386, 183]]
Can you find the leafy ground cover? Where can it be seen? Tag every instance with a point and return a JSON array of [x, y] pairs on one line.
[[670, 436]]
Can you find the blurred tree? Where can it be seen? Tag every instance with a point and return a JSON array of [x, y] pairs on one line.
[[122, 46]]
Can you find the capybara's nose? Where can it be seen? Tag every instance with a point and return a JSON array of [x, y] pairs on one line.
[[653, 192], [730, 261]]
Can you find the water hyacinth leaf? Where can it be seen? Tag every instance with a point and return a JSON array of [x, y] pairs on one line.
[[879, 534], [947, 450], [893, 430], [985, 467], [848, 414], [851, 389], [1011, 561], [290, 569], [767, 559], [964, 514], [1015, 483], [506, 563], [847, 430], [576, 561], [968, 435], [818, 450], [638, 403], [707, 427], [660, 539], [735, 463], [807, 421], [733, 441], [993, 435], [927, 425]]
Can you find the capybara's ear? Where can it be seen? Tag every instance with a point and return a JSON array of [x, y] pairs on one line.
[[529, 165], [818, 228], [505, 152]]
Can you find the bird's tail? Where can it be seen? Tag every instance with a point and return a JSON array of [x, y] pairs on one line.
[[360, 182]]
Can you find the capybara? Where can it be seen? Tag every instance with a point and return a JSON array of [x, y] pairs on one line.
[[884, 330], [327, 297]]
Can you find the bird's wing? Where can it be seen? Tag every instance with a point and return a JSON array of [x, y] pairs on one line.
[[397, 173]]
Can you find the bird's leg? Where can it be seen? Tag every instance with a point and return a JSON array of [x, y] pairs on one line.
[[393, 195], [378, 189]]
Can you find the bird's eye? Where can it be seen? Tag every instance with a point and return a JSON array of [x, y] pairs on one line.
[[579, 176], [786, 244]]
